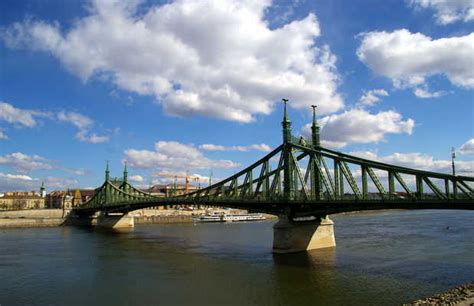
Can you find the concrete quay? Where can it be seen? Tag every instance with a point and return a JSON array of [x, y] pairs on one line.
[[32, 218], [59, 217]]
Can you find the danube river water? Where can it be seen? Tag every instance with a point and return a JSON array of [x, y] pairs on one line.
[[381, 258]]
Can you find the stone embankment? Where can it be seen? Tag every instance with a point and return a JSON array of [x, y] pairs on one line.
[[165, 216], [32, 218], [57, 217], [459, 296]]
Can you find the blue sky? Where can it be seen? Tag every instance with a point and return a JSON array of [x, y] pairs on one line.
[[196, 86]]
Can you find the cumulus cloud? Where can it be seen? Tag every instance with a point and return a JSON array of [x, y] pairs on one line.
[[213, 58], [17, 116], [255, 147], [28, 118], [425, 94], [83, 123], [136, 178], [467, 147], [372, 97], [419, 161], [25, 163], [167, 177], [80, 121], [447, 11], [360, 126], [408, 59], [3, 136], [16, 182], [173, 155]]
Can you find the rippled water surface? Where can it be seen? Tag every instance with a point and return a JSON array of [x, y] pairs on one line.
[[381, 258]]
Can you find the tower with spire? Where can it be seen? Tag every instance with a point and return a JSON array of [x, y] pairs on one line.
[[315, 129], [107, 172], [42, 190], [125, 173], [286, 124], [289, 189]]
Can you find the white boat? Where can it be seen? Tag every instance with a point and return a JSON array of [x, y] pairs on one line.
[[243, 217], [230, 218], [213, 218]]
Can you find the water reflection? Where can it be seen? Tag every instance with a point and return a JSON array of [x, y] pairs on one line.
[[313, 259]]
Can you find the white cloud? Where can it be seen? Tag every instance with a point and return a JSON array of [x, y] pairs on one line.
[[360, 126], [408, 59], [84, 124], [80, 121], [17, 116], [420, 161], [24, 163], [254, 147], [27, 118], [371, 97], [173, 155], [213, 58], [136, 178], [92, 138], [16, 182], [448, 11], [79, 172], [167, 177], [3, 136], [425, 94], [467, 147]]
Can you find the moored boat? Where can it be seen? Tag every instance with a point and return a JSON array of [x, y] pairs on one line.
[[243, 217], [230, 218], [213, 218]]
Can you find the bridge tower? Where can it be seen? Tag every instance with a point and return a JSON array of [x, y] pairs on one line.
[[107, 172], [289, 179], [125, 173], [107, 177], [315, 139], [289, 234], [315, 129]]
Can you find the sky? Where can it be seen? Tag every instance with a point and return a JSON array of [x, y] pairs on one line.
[[196, 86]]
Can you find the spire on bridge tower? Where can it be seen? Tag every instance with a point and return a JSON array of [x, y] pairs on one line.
[[125, 173], [286, 124], [107, 172], [315, 129]]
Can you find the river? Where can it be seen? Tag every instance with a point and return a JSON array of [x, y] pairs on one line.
[[381, 258]]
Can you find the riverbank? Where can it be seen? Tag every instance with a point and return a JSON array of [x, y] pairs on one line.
[[460, 296], [32, 218], [58, 217]]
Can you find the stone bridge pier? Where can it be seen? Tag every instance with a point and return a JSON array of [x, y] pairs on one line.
[[303, 234], [115, 220]]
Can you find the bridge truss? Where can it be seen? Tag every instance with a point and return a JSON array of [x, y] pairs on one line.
[[302, 178]]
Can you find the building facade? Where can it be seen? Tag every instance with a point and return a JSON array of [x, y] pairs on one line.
[[68, 199], [21, 200]]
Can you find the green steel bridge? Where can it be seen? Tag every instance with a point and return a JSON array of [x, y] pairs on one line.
[[306, 180]]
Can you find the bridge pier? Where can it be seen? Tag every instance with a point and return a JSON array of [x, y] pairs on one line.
[[291, 236], [105, 220]]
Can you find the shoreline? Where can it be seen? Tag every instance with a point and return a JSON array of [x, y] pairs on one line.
[[40, 218], [462, 295]]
